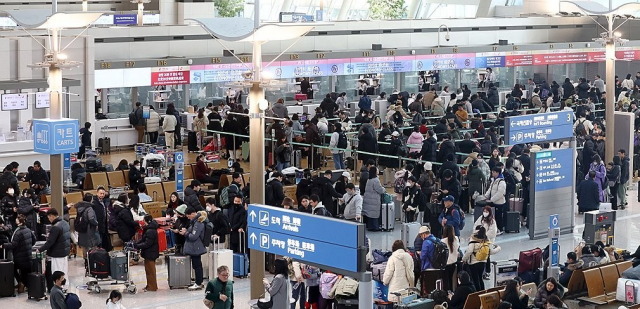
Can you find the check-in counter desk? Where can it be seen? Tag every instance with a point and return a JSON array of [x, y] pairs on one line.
[[122, 134], [22, 152]]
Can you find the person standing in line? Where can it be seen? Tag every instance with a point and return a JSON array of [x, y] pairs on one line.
[[56, 297], [453, 244], [476, 256], [398, 274], [371, 200], [150, 252], [352, 202], [21, 245], [338, 145], [200, 124], [193, 246], [170, 126], [219, 292], [153, 125], [90, 237], [238, 222], [85, 139], [138, 122], [58, 242], [624, 178], [489, 223], [101, 205], [496, 196]]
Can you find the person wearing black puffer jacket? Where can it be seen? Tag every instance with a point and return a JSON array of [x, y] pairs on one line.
[[26, 208], [58, 242], [125, 225], [21, 245], [150, 251], [465, 287], [191, 196]]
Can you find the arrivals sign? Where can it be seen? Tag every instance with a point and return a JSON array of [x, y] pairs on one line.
[[537, 128], [55, 136], [305, 237]]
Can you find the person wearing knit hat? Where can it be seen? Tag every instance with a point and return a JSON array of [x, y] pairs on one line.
[[181, 209], [428, 166], [337, 145], [181, 222]]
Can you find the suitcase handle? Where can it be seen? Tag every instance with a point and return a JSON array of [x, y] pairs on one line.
[[241, 237]]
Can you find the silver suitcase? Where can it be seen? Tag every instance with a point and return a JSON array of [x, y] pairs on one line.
[[409, 233], [218, 257], [388, 217], [179, 269]]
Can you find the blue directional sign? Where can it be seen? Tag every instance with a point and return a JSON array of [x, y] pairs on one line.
[[67, 161], [305, 237], [553, 169], [554, 222], [179, 163], [538, 128], [55, 136], [555, 247]]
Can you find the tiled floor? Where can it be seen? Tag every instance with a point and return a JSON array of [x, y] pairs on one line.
[[627, 231]]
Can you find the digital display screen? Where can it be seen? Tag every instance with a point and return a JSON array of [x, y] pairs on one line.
[[14, 101]]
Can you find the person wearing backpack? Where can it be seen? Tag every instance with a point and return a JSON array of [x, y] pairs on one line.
[[338, 145], [193, 245], [136, 119], [477, 254], [317, 208], [150, 251], [56, 297], [86, 225], [451, 215], [428, 246]]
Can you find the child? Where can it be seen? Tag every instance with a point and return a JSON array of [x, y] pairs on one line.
[[115, 300]]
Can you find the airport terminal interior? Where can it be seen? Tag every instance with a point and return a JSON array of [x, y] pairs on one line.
[[528, 108]]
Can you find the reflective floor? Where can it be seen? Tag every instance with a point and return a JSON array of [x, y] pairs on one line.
[[627, 231]]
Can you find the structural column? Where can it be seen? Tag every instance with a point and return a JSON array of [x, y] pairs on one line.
[[55, 112], [610, 55]]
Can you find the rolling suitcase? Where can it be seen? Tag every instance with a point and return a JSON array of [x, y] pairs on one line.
[[7, 287], [218, 257], [99, 263], [296, 158], [422, 303], [346, 303], [512, 222], [397, 206], [241, 261], [409, 233], [178, 268], [104, 143], [192, 141], [119, 265], [162, 240], [37, 286], [162, 140], [529, 261], [504, 271], [388, 217]]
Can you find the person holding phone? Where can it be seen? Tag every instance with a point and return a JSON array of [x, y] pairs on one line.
[[465, 287], [514, 294]]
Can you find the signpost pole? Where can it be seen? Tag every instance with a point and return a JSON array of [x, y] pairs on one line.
[[179, 162], [365, 290], [554, 246]]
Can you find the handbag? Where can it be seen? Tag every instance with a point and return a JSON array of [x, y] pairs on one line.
[[209, 304], [264, 304]]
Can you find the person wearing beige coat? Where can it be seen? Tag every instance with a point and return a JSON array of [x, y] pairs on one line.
[[399, 272]]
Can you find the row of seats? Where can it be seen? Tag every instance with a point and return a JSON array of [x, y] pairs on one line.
[[602, 282], [491, 298]]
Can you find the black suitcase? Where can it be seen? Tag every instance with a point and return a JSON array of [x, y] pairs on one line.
[[37, 285], [99, 263], [512, 222], [93, 164], [6, 279], [346, 303], [192, 142], [104, 143]]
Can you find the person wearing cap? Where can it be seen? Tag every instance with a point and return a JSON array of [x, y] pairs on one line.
[[451, 214], [191, 195], [394, 150], [323, 187], [352, 203], [181, 222], [411, 199], [341, 183], [426, 250], [338, 153], [427, 181]]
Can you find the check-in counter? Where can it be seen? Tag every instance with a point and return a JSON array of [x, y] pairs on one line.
[[122, 134], [22, 152]]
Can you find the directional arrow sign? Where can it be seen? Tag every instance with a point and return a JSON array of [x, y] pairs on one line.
[[253, 237], [253, 215], [536, 128]]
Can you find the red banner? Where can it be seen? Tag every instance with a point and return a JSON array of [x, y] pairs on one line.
[[564, 58], [170, 78], [518, 60]]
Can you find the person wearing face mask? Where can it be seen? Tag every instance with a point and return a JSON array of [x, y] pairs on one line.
[[115, 300], [220, 222], [489, 223], [21, 244], [8, 204], [135, 176], [181, 221], [238, 222], [56, 297], [411, 199], [352, 203], [8, 178], [28, 209]]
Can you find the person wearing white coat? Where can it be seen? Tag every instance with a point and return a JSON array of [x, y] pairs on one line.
[[153, 125], [496, 196], [487, 221], [115, 300], [453, 244], [399, 272]]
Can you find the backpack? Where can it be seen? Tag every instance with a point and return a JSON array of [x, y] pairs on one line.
[[322, 212], [208, 232], [438, 259], [544, 93], [580, 128], [485, 148], [462, 218], [400, 183], [81, 224], [483, 253], [269, 197], [317, 139], [228, 193], [402, 151], [72, 301], [327, 281], [342, 140], [133, 119]]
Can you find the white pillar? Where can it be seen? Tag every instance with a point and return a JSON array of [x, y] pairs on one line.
[[55, 86], [344, 9], [140, 12], [610, 54]]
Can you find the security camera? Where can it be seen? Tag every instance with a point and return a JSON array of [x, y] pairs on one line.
[[447, 37]]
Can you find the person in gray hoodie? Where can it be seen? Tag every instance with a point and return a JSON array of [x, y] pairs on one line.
[[352, 203], [279, 110]]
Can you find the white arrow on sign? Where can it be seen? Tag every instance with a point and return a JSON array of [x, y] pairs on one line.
[[253, 237], [253, 215], [513, 123]]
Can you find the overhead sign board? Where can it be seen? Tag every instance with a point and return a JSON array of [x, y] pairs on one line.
[[14, 101], [57, 136], [43, 99], [305, 237], [538, 128], [553, 169]]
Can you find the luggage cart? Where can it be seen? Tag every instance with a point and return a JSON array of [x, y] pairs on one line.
[[110, 283]]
